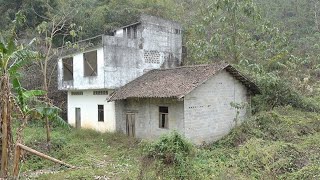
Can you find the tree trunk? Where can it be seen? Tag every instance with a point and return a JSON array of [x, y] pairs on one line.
[[16, 161], [316, 15], [5, 122], [48, 133], [235, 33]]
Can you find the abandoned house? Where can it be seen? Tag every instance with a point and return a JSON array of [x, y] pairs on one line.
[[90, 74], [133, 82], [201, 102]]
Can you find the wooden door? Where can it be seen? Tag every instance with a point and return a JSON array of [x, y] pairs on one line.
[[78, 118], [130, 124]]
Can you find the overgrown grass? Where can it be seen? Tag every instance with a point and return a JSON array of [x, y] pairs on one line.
[[94, 154], [278, 144]]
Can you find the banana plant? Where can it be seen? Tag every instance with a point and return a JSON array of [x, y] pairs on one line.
[[40, 109], [12, 58]]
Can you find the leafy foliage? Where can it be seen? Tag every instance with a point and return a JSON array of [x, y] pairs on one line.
[[170, 148]]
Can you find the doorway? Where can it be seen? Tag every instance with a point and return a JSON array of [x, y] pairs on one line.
[[78, 118], [130, 124]]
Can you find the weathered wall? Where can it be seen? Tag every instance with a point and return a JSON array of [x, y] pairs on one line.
[[158, 45], [147, 116], [79, 81], [164, 37], [208, 113], [89, 111], [123, 61]]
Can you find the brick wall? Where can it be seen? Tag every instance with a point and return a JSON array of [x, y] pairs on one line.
[[147, 116], [208, 113]]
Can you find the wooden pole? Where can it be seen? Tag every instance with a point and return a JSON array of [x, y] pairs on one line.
[[17, 155], [43, 155]]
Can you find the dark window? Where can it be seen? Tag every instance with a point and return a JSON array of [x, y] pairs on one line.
[[90, 63], [67, 68], [163, 117], [74, 93], [100, 113], [124, 32], [100, 92], [135, 32], [128, 32]]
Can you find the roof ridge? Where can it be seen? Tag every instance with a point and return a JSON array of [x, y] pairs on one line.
[[192, 66]]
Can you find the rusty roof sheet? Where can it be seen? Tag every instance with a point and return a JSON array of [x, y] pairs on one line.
[[176, 82]]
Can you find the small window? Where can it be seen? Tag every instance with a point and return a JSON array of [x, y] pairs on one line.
[[90, 63], [100, 113], [128, 32], [124, 32], [135, 32], [100, 92], [67, 68], [76, 93], [163, 117]]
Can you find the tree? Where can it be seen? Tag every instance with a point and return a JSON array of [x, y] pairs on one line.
[[55, 29], [224, 27], [12, 57]]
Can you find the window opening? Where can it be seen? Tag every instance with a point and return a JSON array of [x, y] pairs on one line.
[[100, 92], [135, 32], [100, 113], [76, 93], [67, 68], [163, 117], [90, 63]]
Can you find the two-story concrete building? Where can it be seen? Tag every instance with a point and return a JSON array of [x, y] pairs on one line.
[[133, 82], [91, 73]]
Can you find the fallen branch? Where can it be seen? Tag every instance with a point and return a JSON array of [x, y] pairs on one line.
[[30, 150]]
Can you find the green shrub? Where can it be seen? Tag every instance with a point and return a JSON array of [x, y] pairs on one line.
[[274, 125], [169, 157], [170, 149], [277, 91]]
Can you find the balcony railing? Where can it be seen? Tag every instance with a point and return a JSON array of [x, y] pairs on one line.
[[81, 45]]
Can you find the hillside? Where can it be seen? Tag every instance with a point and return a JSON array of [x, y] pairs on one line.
[[274, 43], [283, 143]]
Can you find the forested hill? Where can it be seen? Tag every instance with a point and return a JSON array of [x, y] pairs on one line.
[[275, 42]]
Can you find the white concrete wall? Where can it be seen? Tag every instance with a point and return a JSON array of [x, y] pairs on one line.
[[121, 59], [207, 110], [79, 81], [88, 103], [147, 116]]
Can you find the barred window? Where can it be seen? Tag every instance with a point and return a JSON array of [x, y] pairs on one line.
[[75, 93], [100, 92]]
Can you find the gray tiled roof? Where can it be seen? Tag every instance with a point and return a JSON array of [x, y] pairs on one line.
[[176, 82]]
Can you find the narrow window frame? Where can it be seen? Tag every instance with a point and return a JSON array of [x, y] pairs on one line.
[[88, 70], [67, 68], [101, 113], [163, 117]]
